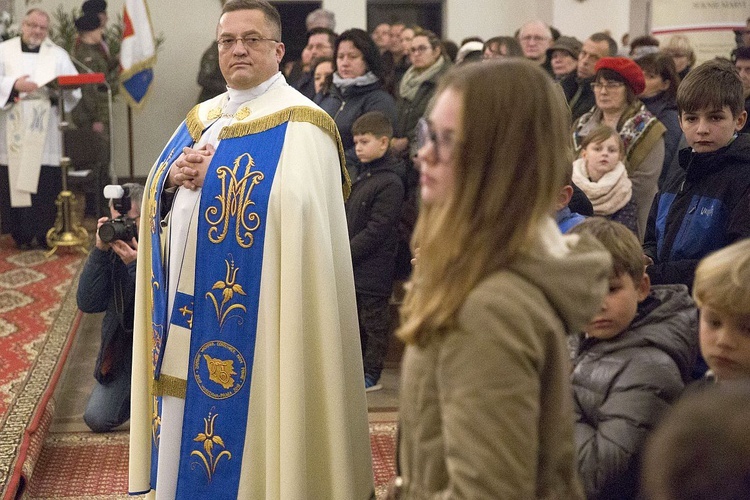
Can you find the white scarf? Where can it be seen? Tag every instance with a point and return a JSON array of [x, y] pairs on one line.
[[610, 193], [359, 81]]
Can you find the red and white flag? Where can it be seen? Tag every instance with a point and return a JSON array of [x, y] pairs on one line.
[[137, 52]]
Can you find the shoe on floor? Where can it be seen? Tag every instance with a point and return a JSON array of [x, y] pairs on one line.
[[372, 385]]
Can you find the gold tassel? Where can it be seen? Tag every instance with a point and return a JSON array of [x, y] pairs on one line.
[[170, 386], [194, 124]]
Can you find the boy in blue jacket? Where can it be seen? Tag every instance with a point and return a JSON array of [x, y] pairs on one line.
[[707, 206]]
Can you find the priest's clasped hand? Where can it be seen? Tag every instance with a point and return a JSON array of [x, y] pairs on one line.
[[189, 169]]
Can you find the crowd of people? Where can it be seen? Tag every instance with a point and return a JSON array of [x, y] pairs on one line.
[[570, 221]]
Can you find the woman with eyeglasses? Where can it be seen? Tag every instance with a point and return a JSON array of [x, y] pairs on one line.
[[617, 83], [357, 87], [416, 89], [485, 398]]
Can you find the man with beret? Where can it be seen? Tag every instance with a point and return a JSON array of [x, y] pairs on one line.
[[92, 113], [29, 137], [577, 86]]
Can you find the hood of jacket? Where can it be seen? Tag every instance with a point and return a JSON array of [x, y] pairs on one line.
[[666, 320], [387, 162], [571, 270], [698, 165]]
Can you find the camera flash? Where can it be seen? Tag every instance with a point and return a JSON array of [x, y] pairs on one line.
[[113, 192]]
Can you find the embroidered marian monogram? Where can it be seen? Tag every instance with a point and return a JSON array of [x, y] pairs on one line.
[[234, 203]]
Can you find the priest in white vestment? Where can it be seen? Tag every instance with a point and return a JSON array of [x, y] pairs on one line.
[[30, 142], [247, 369]]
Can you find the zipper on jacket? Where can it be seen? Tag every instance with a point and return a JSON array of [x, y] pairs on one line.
[[343, 103]]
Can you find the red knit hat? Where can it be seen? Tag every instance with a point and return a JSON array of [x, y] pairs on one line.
[[627, 69]]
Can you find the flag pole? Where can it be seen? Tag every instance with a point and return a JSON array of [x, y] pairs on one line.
[[130, 143]]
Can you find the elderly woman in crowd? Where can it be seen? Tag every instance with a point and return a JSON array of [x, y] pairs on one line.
[[357, 87], [563, 55], [679, 49], [617, 82]]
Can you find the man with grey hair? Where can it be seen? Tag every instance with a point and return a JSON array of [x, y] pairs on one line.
[[535, 38], [321, 18], [107, 284]]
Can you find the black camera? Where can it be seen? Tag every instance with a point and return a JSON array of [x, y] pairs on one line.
[[122, 228]]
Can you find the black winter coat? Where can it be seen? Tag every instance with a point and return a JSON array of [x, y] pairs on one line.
[[622, 385], [373, 211], [705, 208], [108, 285], [579, 94], [665, 111], [345, 107]]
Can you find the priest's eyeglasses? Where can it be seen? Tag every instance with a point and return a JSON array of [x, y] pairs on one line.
[[249, 41]]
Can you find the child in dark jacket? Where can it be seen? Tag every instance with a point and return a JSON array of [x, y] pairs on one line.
[[631, 364], [707, 206], [373, 211], [565, 216]]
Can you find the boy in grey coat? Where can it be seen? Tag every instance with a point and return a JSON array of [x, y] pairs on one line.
[[632, 362]]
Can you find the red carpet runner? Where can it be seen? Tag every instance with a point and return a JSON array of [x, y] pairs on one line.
[[95, 466], [37, 313]]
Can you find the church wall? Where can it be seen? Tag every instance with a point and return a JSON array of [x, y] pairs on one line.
[[188, 27]]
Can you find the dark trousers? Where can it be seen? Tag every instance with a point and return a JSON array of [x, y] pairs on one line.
[[374, 328], [27, 223]]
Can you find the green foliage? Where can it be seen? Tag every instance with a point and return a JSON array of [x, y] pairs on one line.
[[63, 30]]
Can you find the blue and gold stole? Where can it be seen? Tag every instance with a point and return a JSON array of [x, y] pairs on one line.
[[229, 260], [159, 286]]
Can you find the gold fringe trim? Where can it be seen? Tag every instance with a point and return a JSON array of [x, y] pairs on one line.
[[194, 123], [149, 63], [316, 117], [169, 386]]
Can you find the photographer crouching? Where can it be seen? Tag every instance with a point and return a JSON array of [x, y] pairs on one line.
[[107, 284]]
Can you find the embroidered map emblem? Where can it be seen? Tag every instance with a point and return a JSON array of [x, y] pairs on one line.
[[219, 369]]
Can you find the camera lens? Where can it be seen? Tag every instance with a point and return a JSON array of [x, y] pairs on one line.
[[118, 229], [107, 232]]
